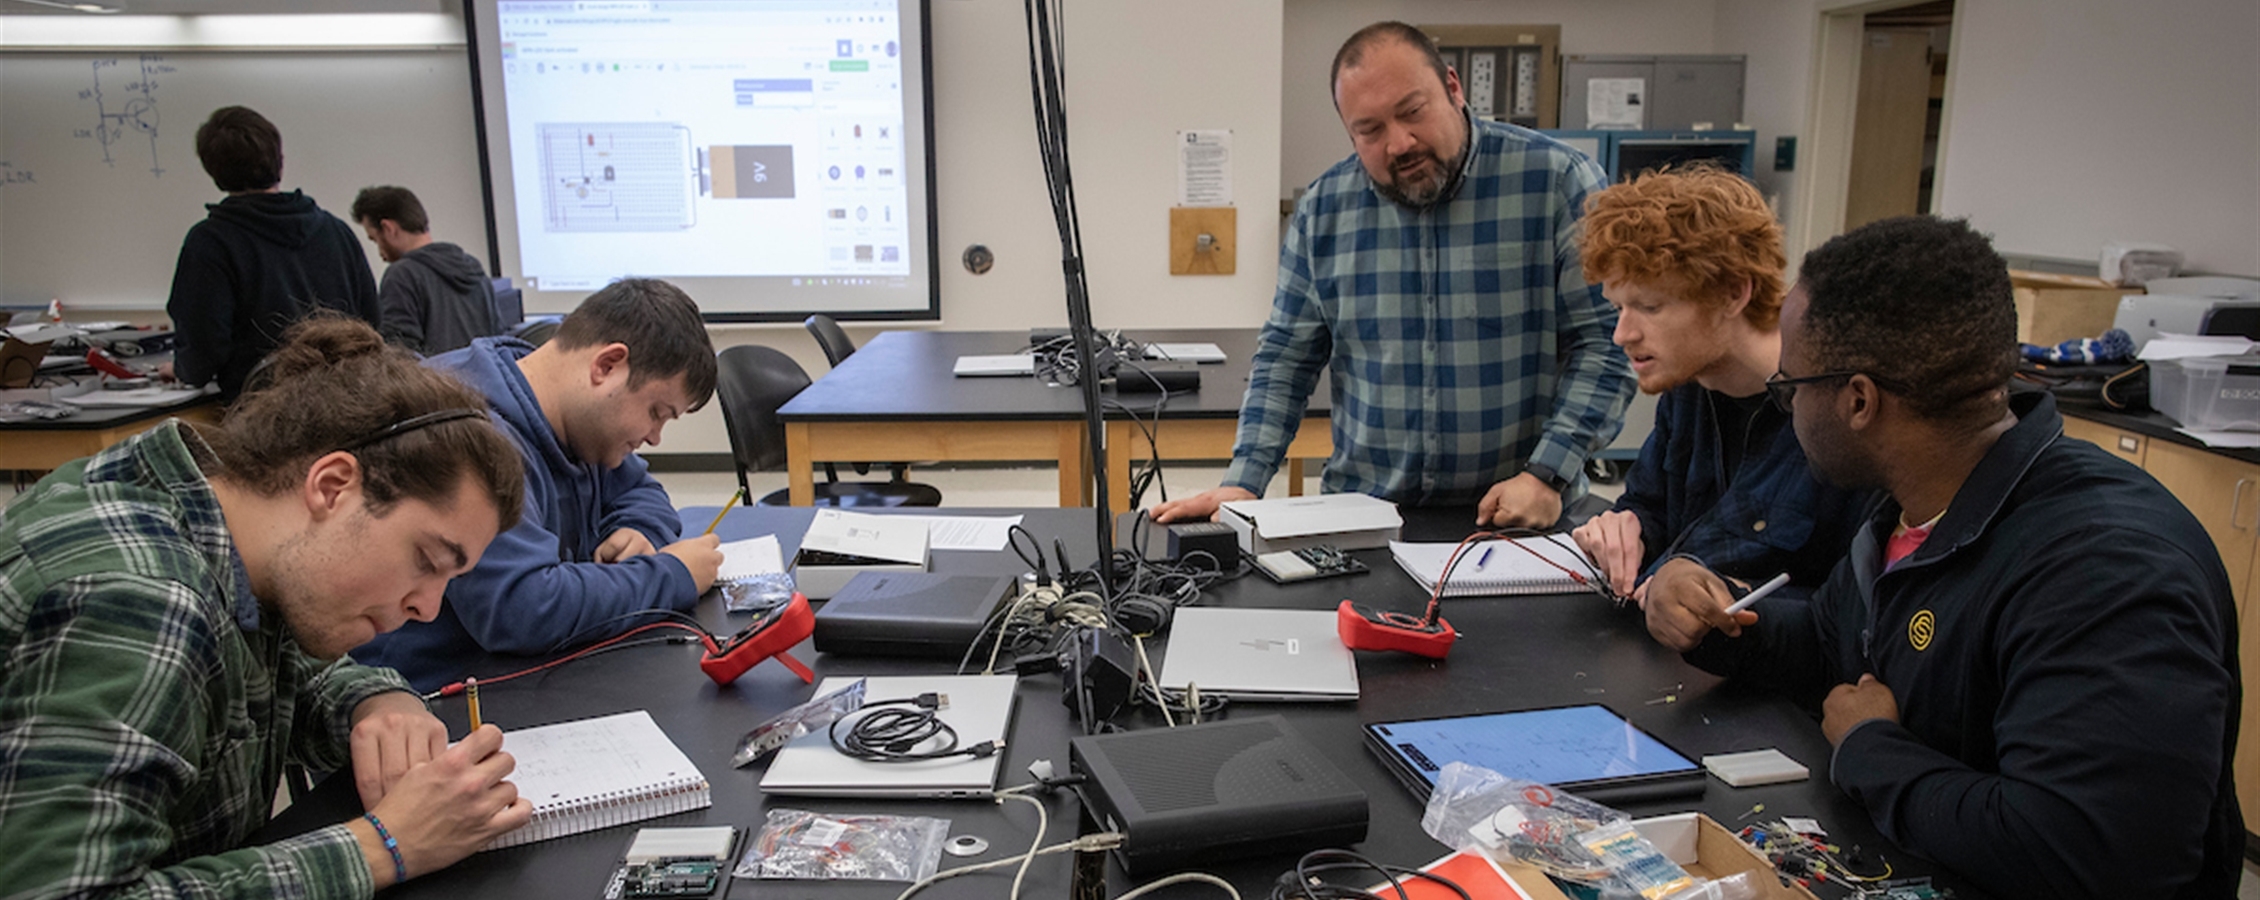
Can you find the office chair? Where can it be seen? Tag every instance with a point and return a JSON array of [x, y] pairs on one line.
[[753, 382], [536, 331], [831, 337], [838, 346]]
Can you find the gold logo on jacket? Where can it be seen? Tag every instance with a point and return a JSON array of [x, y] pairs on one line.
[[1921, 629]]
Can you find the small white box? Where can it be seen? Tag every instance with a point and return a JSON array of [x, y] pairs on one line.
[[1756, 767], [1343, 521], [840, 544]]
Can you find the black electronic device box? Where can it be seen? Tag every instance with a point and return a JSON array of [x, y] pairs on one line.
[[909, 614], [1157, 377], [1215, 791], [1215, 537]]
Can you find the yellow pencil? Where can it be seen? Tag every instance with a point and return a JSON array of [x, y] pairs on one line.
[[734, 498], [471, 690]]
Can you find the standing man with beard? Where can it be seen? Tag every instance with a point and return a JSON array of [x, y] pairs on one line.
[[1435, 277], [435, 298]]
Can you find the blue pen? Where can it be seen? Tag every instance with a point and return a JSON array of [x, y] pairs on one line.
[[1486, 557]]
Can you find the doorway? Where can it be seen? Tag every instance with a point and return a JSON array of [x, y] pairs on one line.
[[1903, 58], [1875, 121]]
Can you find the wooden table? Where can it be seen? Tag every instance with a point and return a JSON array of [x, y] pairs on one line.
[[46, 445], [896, 399]]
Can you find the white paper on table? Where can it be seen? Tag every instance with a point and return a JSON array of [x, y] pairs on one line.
[[750, 557], [2235, 440], [966, 532], [143, 397], [2186, 346]]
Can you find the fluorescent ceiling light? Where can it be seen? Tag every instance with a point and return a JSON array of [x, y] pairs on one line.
[[79, 7]]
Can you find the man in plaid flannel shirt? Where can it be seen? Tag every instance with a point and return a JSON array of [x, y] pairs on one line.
[[173, 613], [1435, 278]]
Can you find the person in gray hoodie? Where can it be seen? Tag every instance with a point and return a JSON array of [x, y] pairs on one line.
[[260, 261], [435, 298]]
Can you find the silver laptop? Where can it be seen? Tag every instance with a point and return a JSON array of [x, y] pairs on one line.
[[980, 709], [1259, 654]]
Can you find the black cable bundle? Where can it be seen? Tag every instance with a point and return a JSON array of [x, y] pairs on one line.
[[1046, 72]]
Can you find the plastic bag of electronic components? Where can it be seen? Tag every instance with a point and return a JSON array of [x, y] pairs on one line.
[[799, 844], [1566, 836], [772, 735], [756, 593]]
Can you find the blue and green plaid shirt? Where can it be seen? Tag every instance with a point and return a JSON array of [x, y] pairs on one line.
[[1462, 342], [147, 702]]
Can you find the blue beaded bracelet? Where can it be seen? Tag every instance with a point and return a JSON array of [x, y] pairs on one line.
[[399, 866]]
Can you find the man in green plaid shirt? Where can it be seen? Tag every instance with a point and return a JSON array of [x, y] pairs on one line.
[[1434, 277], [174, 613]]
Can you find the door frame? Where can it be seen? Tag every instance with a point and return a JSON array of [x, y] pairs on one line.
[[1831, 107]]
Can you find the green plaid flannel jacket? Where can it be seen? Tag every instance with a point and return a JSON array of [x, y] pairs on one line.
[[147, 703]]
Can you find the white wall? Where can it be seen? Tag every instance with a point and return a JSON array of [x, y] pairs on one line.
[[1776, 36], [2077, 122], [1314, 29]]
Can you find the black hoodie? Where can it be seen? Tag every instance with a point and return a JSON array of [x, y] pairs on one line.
[[256, 264], [436, 298]]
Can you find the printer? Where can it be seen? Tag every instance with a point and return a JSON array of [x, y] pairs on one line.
[[2198, 305]]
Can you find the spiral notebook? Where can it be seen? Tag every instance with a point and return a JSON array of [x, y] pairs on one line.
[[597, 773], [1507, 566]]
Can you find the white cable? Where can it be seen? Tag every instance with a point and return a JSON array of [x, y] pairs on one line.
[[1146, 677], [1043, 823]]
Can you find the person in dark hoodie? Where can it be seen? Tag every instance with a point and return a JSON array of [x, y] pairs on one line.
[[260, 261], [434, 298], [598, 542], [2028, 662]]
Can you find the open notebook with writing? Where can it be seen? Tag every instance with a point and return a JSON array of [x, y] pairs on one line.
[[597, 773], [1532, 565]]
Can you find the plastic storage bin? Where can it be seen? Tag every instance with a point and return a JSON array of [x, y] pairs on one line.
[[2216, 393]]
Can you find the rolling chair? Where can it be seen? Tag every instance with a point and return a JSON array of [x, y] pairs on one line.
[[536, 331], [838, 346], [753, 382]]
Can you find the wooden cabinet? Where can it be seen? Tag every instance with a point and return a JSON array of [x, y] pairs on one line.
[[2122, 443], [2224, 495]]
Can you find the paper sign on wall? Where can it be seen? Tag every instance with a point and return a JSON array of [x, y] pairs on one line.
[[1204, 167], [1615, 102]]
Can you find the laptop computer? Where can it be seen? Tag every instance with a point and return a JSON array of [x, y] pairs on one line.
[[1260, 654], [1003, 365], [979, 707]]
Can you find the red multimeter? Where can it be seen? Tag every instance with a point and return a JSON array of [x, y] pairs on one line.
[[1371, 629], [775, 632]]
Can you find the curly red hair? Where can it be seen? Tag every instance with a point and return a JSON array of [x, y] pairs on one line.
[[1701, 228]]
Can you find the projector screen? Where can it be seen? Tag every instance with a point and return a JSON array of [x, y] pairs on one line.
[[770, 157]]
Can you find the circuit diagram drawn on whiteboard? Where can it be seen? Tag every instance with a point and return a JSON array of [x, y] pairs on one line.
[[124, 107]]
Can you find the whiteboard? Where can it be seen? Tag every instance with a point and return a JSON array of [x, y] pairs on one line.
[[97, 189]]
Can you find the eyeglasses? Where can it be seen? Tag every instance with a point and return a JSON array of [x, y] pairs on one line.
[[1782, 389]]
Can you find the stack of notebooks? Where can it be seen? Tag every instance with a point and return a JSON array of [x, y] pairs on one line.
[[597, 773], [1498, 568]]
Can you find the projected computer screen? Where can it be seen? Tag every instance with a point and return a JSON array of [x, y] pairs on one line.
[[768, 156]]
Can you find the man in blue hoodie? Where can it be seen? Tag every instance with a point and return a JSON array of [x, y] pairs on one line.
[[598, 542], [260, 261]]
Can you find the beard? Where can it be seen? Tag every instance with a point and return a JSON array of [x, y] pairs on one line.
[[1420, 188]]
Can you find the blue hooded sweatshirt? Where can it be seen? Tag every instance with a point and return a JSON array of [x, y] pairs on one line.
[[537, 590]]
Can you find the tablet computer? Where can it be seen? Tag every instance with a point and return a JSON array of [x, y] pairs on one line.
[[1586, 750]]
